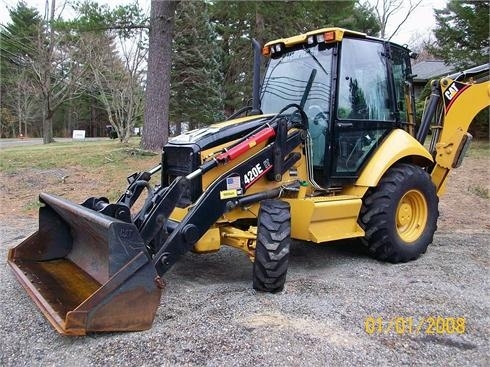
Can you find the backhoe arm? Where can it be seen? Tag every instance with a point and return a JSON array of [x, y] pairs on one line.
[[459, 103]]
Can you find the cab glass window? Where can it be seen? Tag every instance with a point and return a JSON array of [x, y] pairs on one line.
[[363, 82]]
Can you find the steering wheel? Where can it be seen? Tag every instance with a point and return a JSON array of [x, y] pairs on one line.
[[321, 116], [319, 123]]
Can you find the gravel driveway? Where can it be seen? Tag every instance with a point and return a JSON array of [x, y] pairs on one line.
[[210, 315]]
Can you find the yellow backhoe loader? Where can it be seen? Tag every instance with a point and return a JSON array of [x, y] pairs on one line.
[[329, 150]]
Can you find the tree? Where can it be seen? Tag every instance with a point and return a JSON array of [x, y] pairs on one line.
[[236, 22], [117, 83], [462, 39], [385, 9], [115, 53], [155, 130], [56, 69], [196, 79], [462, 33], [17, 42], [7, 123]]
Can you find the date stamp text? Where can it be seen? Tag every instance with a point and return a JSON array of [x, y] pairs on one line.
[[402, 325]]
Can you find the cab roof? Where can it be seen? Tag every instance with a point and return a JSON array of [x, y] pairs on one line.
[[303, 38]]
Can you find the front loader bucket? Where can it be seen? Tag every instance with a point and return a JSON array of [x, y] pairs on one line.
[[86, 271]]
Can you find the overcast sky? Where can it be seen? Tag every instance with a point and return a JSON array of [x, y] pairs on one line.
[[418, 25]]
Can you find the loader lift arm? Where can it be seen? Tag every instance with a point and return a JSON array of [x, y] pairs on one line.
[[168, 241], [210, 206]]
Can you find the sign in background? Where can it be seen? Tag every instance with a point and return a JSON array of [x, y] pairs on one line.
[[78, 135]]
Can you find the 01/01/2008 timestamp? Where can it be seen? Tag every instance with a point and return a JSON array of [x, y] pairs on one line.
[[415, 325]]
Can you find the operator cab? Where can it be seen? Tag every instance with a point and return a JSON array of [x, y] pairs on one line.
[[352, 88]]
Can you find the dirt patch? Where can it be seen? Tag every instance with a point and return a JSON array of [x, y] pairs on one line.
[[465, 205]]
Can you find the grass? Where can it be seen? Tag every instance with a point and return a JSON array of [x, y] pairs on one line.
[[479, 191], [479, 148], [95, 168], [32, 205], [93, 154]]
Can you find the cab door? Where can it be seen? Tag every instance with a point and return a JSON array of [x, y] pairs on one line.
[[364, 111]]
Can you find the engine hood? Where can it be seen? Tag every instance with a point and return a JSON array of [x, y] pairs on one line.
[[219, 133]]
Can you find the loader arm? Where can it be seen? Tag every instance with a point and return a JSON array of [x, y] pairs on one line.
[[217, 199]]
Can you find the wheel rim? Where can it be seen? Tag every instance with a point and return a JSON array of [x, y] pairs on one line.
[[411, 216]]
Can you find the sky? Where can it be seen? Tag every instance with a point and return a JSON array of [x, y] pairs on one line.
[[419, 24]]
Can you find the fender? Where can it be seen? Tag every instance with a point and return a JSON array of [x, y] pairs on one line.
[[398, 145]]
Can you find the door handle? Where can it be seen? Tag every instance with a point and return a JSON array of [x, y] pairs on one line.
[[345, 124]]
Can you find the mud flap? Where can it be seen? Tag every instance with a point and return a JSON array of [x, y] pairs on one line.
[[86, 271]]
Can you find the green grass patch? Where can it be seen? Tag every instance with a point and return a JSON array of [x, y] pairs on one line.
[[32, 205], [83, 154], [479, 191], [479, 148]]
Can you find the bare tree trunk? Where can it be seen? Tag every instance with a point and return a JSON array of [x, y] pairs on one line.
[[155, 129], [19, 116], [178, 128], [47, 115], [47, 125]]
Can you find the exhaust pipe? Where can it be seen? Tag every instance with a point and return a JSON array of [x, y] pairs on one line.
[[256, 78]]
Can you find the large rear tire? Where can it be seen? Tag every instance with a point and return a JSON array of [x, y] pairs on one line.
[[272, 246], [400, 215]]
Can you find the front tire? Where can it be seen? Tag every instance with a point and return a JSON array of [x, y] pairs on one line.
[[400, 215], [272, 246]]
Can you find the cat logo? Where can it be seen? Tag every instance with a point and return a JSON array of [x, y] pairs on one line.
[[451, 91]]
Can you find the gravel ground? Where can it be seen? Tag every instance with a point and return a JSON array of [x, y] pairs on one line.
[[210, 315]]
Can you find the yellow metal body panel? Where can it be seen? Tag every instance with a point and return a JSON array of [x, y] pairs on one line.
[[322, 219], [210, 242], [399, 144], [240, 120], [212, 175]]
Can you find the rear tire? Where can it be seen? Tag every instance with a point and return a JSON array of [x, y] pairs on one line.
[[400, 215], [272, 246]]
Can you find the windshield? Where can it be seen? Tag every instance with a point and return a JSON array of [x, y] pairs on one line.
[[301, 77]]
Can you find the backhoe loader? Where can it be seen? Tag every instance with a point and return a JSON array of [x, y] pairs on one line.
[[329, 150]]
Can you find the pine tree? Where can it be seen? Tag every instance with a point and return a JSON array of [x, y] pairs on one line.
[[196, 79], [18, 47], [462, 33], [157, 95]]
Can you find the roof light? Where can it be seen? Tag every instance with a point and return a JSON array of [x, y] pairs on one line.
[[266, 51], [320, 38], [311, 40], [329, 36]]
